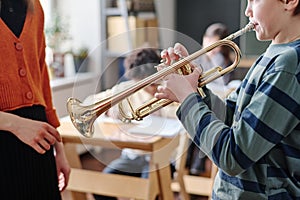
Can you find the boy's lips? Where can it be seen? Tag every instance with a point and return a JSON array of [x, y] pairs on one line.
[[255, 25]]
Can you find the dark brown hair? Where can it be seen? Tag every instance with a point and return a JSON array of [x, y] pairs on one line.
[[141, 63], [220, 30]]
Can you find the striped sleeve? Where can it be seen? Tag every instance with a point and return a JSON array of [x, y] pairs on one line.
[[271, 114]]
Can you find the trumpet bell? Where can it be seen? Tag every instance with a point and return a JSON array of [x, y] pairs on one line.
[[82, 118]]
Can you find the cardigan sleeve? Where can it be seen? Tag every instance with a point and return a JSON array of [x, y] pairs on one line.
[[51, 114]]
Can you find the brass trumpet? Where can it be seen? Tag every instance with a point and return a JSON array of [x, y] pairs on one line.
[[83, 116]]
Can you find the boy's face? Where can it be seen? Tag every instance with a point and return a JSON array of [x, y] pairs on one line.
[[267, 17]]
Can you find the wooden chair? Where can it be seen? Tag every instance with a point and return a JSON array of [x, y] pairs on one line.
[[178, 184], [187, 184]]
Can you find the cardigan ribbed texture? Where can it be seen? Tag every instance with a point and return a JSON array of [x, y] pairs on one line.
[[24, 79], [257, 150]]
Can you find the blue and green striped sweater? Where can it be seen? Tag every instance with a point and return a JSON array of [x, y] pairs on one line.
[[257, 146]]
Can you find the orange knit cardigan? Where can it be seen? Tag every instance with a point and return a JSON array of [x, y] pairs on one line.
[[24, 79]]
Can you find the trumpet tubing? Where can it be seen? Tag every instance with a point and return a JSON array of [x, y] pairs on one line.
[[83, 116]]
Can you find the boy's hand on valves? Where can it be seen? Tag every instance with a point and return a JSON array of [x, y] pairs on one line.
[[177, 87], [173, 54]]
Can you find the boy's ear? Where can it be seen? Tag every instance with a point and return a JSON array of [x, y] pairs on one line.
[[291, 5]]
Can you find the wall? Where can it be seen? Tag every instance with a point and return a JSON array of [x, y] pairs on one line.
[[193, 17], [83, 18], [165, 10]]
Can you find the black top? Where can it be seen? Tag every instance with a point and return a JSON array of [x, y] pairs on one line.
[[13, 13]]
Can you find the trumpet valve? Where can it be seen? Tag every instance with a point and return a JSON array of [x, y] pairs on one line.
[[201, 92]]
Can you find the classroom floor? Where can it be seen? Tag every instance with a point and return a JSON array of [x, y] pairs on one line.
[[89, 162]]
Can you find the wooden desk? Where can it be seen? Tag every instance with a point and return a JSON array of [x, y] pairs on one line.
[[110, 135]]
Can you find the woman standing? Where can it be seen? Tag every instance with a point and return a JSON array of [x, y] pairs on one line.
[[33, 160]]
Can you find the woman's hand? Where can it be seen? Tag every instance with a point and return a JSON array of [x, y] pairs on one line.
[[39, 135], [62, 166]]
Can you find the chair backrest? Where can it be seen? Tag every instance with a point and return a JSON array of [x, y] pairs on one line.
[[187, 184]]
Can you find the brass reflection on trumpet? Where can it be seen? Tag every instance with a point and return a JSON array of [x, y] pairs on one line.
[[83, 116]]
